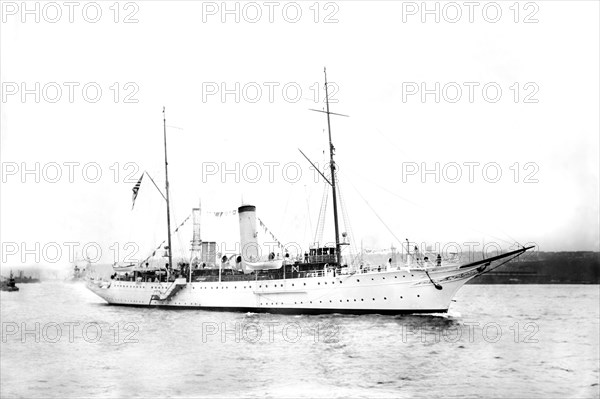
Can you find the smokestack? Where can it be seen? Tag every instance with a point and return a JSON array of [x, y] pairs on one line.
[[248, 243], [196, 249]]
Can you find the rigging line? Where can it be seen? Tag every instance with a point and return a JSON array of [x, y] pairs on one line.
[[310, 228], [388, 139], [157, 248], [495, 267], [163, 242], [287, 202], [434, 209], [385, 188], [376, 214], [369, 126], [348, 227], [268, 230], [517, 242], [153, 182], [322, 216], [180, 249]]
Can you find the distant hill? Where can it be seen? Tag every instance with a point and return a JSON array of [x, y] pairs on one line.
[[547, 268], [582, 267]]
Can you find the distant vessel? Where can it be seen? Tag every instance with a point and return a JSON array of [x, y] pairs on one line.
[[9, 284], [79, 272], [319, 282], [23, 279]]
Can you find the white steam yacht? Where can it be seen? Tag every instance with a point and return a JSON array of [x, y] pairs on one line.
[[318, 282]]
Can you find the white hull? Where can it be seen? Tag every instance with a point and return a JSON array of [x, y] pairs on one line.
[[390, 292]]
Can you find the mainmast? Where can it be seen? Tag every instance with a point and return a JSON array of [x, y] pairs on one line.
[[167, 189], [332, 167], [333, 179]]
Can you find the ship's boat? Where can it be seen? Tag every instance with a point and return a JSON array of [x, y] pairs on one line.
[[124, 269], [266, 265], [320, 281]]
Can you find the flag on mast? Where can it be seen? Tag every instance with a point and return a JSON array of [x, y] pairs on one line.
[[135, 190]]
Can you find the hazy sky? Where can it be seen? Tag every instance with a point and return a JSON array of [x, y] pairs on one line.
[[540, 131]]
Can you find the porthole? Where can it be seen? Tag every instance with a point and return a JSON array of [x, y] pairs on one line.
[[418, 296], [384, 298], [373, 298], [357, 280], [361, 299]]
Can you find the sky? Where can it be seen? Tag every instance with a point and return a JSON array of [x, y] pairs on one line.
[[480, 127]]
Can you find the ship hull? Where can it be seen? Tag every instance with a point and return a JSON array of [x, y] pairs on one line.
[[386, 292]]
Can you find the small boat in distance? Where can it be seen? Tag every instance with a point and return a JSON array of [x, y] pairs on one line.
[[321, 281], [23, 279], [9, 284], [79, 271]]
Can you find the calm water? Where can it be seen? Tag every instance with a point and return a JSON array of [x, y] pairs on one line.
[[508, 341]]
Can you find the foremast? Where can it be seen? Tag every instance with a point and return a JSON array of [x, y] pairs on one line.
[[170, 266]]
